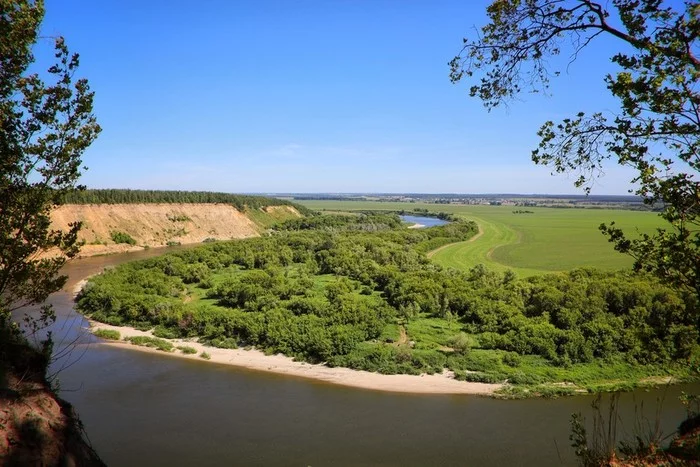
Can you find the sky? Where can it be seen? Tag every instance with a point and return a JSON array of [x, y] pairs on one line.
[[302, 96]]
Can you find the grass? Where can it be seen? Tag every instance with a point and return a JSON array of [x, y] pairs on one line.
[[205, 356], [186, 349], [108, 334], [547, 240], [154, 342]]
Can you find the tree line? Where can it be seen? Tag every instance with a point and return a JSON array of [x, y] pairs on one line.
[[125, 196]]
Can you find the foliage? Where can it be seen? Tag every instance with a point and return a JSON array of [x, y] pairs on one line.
[[46, 123], [205, 356], [146, 341], [655, 130], [122, 237], [108, 334], [187, 350], [124, 196], [345, 298]]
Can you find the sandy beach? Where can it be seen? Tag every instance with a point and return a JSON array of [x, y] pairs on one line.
[[256, 360]]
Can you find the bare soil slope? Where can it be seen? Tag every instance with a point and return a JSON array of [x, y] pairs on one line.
[[152, 225]]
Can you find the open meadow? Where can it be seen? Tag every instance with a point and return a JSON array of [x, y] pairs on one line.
[[534, 241]]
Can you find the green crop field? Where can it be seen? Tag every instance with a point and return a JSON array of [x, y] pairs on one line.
[[548, 239]]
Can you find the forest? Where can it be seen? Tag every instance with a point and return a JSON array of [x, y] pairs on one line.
[[358, 291], [125, 196]]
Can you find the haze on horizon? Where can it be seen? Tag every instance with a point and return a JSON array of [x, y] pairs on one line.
[[309, 97]]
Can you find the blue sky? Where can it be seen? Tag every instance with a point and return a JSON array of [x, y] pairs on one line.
[[308, 96]]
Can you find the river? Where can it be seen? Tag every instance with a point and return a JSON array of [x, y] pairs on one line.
[[424, 221], [148, 409]]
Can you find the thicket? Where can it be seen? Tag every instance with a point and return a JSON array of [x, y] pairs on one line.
[[124, 196], [340, 297]]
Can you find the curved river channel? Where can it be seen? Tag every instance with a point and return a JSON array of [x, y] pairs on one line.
[[147, 409]]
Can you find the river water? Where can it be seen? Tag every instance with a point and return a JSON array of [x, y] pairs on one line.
[[424, 221], [149, 409]]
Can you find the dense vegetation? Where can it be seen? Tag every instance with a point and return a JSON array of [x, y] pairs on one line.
[[373, 301], [123, 196]]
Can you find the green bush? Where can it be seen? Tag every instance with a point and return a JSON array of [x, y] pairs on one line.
[[166, 333], [153, 342], [520, 377], [493, 378], [122, 237], [205, 356], [223, 343], [187, 350], [460, 343], [511, 359], [108, 334]]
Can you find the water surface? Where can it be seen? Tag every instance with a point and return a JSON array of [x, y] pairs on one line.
[[424, 221]]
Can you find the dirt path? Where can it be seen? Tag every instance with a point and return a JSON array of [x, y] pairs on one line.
[[478, 234]]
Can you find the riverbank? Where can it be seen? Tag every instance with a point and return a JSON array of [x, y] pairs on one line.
[[256, 360]]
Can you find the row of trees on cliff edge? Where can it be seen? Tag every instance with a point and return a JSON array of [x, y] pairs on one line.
[[125, 196]]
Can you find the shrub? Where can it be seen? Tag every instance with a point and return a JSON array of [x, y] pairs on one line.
[[187, 350], [165, 333], [205, 356], [153, 342], [224, 343], [484, 377], [460, 343], [511, 359], [520, 377], [141, 326], [122, 237], [108, 334], [178, 218]]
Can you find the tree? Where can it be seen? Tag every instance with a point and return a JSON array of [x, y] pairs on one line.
[[656, 129], [44, 129]]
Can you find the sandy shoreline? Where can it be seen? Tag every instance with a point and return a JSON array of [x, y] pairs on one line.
[[256, 360]]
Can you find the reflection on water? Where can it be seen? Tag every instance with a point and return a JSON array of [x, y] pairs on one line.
[[148, 409]]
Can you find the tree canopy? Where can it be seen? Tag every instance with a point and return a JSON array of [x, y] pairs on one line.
[[656, 128], [46, 123]]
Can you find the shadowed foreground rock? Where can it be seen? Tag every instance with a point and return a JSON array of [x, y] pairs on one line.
[[36, 427]]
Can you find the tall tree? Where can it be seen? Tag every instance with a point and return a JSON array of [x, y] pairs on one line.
[[656, 128], [45, 126]]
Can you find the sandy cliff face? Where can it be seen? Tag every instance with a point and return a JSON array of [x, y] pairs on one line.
[[152, 225]]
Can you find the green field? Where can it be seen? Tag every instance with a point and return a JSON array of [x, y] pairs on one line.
[[549, 239]]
